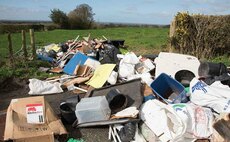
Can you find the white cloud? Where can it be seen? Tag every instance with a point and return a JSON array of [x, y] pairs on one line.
[[207, 6]]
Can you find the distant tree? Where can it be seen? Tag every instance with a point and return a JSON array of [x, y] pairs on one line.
[[81, 17], [59, 18]]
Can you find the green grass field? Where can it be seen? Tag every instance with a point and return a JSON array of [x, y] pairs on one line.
[[138, 39]]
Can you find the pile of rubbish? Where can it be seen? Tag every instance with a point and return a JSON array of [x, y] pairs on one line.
[[170, 97]]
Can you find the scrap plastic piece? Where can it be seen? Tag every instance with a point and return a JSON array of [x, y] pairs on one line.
[[77, 59], [75, 140], [172, 63]]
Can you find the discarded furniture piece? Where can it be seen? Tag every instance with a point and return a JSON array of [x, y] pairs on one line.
[[32, 119], [180, 65], [168, 89]]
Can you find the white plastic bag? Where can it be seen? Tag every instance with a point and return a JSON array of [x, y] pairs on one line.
[[217, 98], [127, 64], [198, 120], [113, 78], [163, 121], [42, 87]]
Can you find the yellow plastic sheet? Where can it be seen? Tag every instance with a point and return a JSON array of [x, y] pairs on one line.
[[100, 76]]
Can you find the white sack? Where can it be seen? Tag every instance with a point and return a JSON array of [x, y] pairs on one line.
[[42, 87], [162, 120], [127, 64], [198, 120], [214, 97]]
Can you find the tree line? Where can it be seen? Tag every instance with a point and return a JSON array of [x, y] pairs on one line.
[[79, 18]]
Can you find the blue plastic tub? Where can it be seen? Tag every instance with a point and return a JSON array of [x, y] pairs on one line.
[[168, 89]]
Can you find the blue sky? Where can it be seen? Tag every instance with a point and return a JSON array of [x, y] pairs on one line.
[[122, 11]]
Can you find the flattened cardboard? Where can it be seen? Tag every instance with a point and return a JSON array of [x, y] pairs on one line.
[[77, 80], [82, 70], [18, 129]]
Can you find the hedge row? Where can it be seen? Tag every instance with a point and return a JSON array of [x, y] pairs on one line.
[[201, 35], [14, 28]]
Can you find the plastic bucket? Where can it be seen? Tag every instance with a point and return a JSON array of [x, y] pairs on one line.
[[168, 89], [116, 100], [67, 113]]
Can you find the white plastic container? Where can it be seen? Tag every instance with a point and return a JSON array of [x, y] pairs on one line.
[[92, 109]]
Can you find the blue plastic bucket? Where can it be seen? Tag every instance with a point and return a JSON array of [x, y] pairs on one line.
[[168, 89]]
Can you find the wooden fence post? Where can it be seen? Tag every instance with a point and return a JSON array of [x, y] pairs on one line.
[[32, 41], [24, 44], [11, 55], [172, 33]]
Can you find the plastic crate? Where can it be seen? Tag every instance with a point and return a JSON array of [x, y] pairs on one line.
[[168, 89], [92, 109]]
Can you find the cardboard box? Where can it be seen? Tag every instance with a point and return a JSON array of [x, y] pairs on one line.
[[18, 115]]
